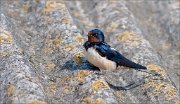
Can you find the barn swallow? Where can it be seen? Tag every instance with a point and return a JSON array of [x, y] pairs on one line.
[[101, 55]]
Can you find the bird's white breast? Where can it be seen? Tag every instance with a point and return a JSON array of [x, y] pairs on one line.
[[97, 60]]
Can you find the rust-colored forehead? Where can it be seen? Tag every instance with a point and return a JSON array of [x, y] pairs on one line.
[[90, 33]]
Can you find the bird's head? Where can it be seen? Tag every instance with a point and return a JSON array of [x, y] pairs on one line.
[[95, 35]]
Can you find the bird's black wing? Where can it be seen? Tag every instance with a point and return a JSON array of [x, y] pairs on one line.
[[106, 51]]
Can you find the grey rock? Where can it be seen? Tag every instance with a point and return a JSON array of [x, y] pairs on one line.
[[42, 58]]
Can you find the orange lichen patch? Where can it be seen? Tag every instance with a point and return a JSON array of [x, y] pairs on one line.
[[81, 75], [10, 90], [69, 47], [170, 93], [156, 68], [164, 88], [5, 37], [159, 87], [52, 5], [88, 100], [77, 57], [25, 7], [166, 46], [47, 50], [79, 38], [50, 93], [35, 101], [52, 44], [66, 89], [50, 65], [52, 86], [77, 14], [98, 85], [178, 52], [112, 27], [66, 21], [99, 101], [130, 38], [177, 102], [65, 80], [2, 54], [56, 42]]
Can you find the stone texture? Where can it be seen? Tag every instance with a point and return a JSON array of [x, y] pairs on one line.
[[42, 59]]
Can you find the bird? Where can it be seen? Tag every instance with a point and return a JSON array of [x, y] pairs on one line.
[[102, 55]]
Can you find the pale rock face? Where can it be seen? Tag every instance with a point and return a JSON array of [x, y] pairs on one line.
[[97, 60]]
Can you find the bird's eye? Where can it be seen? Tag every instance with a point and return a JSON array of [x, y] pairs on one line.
[[95, 34]]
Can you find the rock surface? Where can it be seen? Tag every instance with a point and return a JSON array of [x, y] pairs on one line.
[[42, 59]]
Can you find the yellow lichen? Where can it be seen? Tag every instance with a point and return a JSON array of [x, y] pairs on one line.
[[10, 90], [99, 101], [130, 38], [52, 44], [159, 87], [69, 47], [164, 88], [156, 68], [112, 27], [64, 80], [99, 85], [178, 52], [2, 54], [81, 75], [66, 21], [52, 86], [47, 50], [166, 46], [50, 65], [5, 37], [170, 93], [66, 89], [25, 7], [35, 101], [88, 100], [52, 5], [56, 42], [177, 102], [77, 57], [79, 38]]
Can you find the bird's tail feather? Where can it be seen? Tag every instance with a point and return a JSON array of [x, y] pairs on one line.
[[128, 63]]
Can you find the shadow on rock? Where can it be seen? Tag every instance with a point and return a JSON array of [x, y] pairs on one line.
[[84, 65]]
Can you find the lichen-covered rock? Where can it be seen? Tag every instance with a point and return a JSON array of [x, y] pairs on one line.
[[42, 59], [19, 82]]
